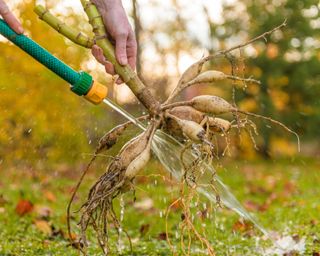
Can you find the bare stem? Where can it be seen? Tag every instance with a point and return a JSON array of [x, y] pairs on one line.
[[239, 46], [70, 33]]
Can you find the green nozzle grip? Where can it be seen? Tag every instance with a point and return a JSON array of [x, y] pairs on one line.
[[80, 82]]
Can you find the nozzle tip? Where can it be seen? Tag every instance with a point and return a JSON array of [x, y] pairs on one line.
[[97, 93]]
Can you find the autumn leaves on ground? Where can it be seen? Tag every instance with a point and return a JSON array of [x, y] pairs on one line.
[[283, 194]]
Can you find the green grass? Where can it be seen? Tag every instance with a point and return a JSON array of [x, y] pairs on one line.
[[287, 190]]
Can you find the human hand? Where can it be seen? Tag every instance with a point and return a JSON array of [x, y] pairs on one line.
[[10, 18], [119, 32]]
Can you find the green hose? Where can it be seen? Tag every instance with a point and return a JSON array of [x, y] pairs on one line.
[[80, 81]]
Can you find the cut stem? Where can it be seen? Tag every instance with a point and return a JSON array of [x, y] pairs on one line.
[[70, 33], [125, 72]]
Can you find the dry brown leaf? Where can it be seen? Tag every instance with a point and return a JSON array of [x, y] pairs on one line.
[[46, 243], [242, 226], [251, 206], [176, 205], [43, 226], [24, 207], [3, 201], [43, 212], [50, 196], [162, 236], [144, 229]]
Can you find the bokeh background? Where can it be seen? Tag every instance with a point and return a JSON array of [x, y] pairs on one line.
[[47, 134], [39, 115]]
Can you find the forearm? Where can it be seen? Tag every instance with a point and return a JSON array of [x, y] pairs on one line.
[[106, 5]]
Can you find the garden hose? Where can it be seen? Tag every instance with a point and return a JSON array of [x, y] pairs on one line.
[[81, 82]]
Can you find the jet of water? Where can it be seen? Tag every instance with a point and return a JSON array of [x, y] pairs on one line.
[[167, 149]]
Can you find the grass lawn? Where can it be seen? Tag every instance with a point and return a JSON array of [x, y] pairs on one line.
[[283, 194]]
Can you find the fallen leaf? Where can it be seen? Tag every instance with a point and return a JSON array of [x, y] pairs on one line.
[[251, 206], [141, 179], [24, 207], [43, 226], [144, 229], [43, 212], [296, 238], [59, 232], [314, 222], [3, 201], [73, 236], [46, 243], [76, 244], [256, 190], [316, 254], [2, 210], [245, 227], [162, 236], [292, 253], [316, 241], [203, 214], [50, 196], [290, 187]]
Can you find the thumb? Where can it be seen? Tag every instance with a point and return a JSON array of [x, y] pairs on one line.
[[121, 49]]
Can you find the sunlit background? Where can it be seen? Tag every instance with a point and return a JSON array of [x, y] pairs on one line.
[[172, 35], [48, 134]]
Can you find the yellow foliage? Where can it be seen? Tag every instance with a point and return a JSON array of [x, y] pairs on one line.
[[282, 147], [246, 146], [272, 51], [40, 118], [253, 89], [249, 105], [279, 98], [256, 72], [277, 82]]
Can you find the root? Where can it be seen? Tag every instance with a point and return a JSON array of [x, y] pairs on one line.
[[188, 219], [275, 122], [85, 171], [116, 180]]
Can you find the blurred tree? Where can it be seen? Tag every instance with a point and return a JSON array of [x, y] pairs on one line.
[[40, 119], [287, 63]]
